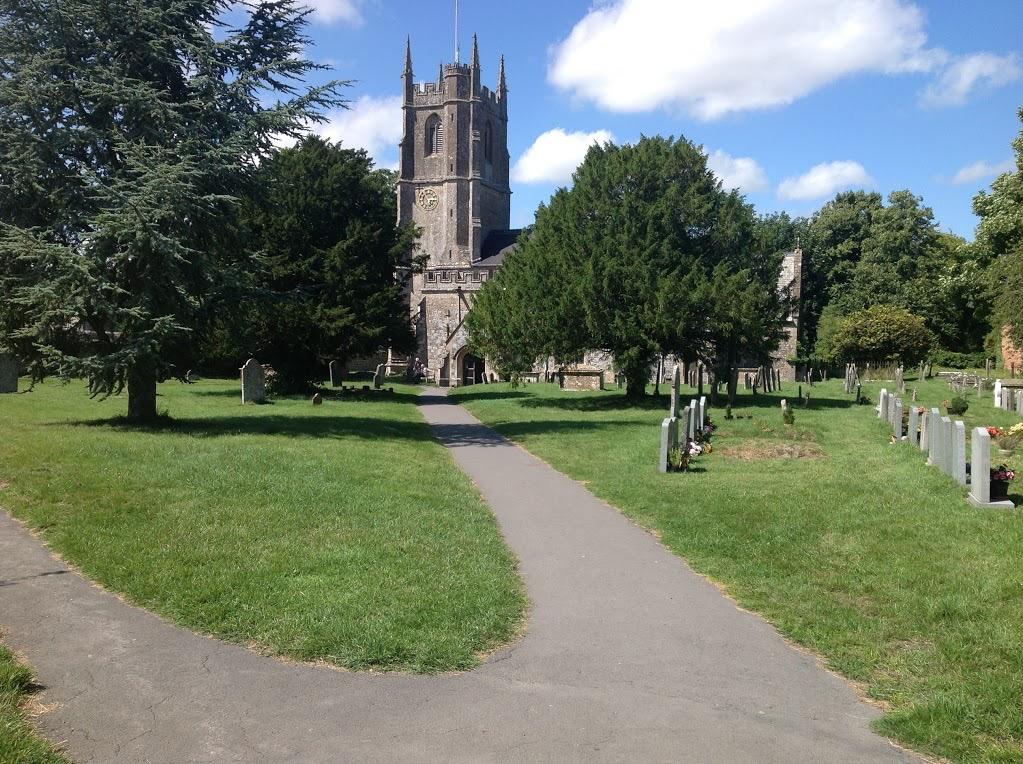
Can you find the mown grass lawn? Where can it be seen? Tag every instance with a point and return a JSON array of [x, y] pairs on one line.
[[342, 532], [18, 741], [850, 545]]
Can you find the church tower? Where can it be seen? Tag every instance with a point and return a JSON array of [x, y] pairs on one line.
[[453, 185]]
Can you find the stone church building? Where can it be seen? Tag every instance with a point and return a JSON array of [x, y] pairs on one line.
[[453, 183]]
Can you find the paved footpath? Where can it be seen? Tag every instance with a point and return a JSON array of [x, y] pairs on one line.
[[628, 656]]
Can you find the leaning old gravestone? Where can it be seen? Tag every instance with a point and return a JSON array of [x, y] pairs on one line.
[[378, 377], [317, 400], [8, 374], [913, 429], [335, 373], [980, 472], [253, 382]]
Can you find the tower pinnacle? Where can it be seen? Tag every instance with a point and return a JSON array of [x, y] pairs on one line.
[[475, 53], [502, 87], [408, 55]]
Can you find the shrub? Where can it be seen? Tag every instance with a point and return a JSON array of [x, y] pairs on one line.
[[881, 334], [957, 406]]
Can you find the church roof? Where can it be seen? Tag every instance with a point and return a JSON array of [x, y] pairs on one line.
[[497, 245]]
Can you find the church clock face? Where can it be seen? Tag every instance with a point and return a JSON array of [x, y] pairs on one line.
[[427, 199]]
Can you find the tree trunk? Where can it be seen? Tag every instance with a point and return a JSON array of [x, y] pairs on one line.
[[142, 392], [636, 378]]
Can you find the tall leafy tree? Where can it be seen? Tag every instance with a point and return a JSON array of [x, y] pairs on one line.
[[617, 262], [335, 260], [127, 130], [835, 237], [1000, 232]]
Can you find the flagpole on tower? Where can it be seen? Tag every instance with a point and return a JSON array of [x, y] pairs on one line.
[[458, 51]]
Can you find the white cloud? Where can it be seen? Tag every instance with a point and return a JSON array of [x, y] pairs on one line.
[[374, 124], [824, 180], [728, 56], [982, 169], [330, 11], [555, 154], [964, 73], [742, 173]]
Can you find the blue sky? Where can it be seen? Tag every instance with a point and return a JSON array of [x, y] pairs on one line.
[[792, 99]]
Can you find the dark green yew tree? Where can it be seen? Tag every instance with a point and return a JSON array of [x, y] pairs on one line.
[[127, 130], [335, 261], [624, 261]]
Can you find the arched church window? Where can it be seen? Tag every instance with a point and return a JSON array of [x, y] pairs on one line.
[[434, 135]]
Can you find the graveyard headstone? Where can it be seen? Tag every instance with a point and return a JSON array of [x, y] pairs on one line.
[[317, 400], [933, 437], [980, 472], [913, 426], [336, 377], [253, 382], [945, 465], [959, 452], [669, 440], [8, 373], [897, 419], [675, 384]]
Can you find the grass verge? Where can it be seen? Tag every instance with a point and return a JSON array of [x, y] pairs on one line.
[[18, 742], [342, 532], [849, 544]]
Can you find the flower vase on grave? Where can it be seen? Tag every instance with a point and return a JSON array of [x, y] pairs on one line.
[[999, 490]]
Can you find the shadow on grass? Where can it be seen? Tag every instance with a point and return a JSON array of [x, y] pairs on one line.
[[290, 425], [485, 395], [456, 435]]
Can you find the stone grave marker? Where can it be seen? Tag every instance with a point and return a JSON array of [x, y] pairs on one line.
[[946, 446], [686, 424], [336, 375], [980, 472], [882, 405], [378, 377], [959, 452], [253, 382], [317, 399], [675, 384], [694, 410], [914, 426], [933, 436], [998, 393], [897, 419], [925, 427], [8, 373], [669, 440], [701, 418]]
